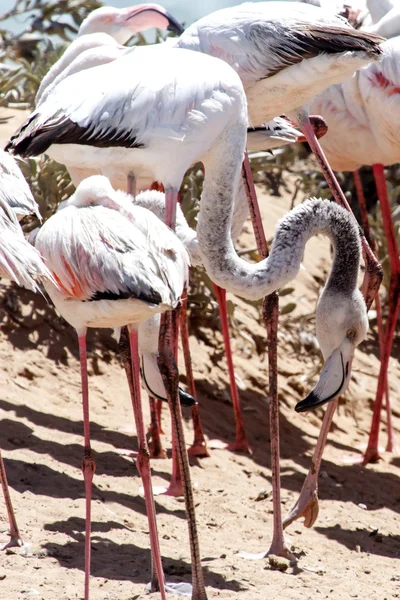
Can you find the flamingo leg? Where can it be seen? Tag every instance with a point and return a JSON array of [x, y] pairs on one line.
[[372, 453], [169, 372], [364, 213], [159, 407], [130, 358], [157, 450], [240, 444], [175, 487], [373, 271], [307, 502], [270, 315], [199, 446], [15, 536], [88, 463], [391, 444]]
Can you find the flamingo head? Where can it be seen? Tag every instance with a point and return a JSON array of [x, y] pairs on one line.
[[342, 325], [123, 23]]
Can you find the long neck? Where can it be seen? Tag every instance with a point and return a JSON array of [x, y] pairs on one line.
[[254, 281]]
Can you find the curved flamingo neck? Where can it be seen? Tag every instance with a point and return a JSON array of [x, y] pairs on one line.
[[254, 281]]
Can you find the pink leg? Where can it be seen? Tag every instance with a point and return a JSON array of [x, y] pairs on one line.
[[240, 444], [169, 372], [199, 446], [143, 464], [364, 213], [130, 359], [157, 450], [88, 463], [373, 271], [270, 316], [307, 503], [391, 445], [15, 537], [372, 453], [159, 407], [175, 487]]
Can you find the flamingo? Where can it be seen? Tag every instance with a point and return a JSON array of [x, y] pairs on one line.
[[201, 112], [376, 92], [110, 28], [360, 114], [21, 263], [115, 264], [285, 54], [14, 190]]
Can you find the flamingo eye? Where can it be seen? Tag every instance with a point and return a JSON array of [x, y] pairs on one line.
[[351, 333]]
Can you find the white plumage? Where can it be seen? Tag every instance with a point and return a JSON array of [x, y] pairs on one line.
[[19, 261], [361, 114], [284, 52], [14, 190], [157, 121], [115, 263]]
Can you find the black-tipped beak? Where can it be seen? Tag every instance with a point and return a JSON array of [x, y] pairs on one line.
[[173, 25], [186, 399], [331, 383], [312, 401]]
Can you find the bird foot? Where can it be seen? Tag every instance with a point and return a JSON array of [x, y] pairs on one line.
[[371, 455], [174, 489], [358, 459], [14, 542], [199, 449], [277, 548], [158, 452], [307, 506]]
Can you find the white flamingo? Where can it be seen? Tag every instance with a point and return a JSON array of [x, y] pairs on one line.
[[21, 263], [360, 114], [115, 264], [14, 190], [285, 54]]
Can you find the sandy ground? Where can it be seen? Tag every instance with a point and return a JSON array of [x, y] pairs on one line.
[[351, 552]]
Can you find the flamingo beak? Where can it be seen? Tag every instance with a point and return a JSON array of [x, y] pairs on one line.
[[145, 16], [334, 378], [185, 398]]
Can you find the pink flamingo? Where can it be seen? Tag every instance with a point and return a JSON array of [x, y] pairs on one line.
[[359, 114], [115, 264]]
